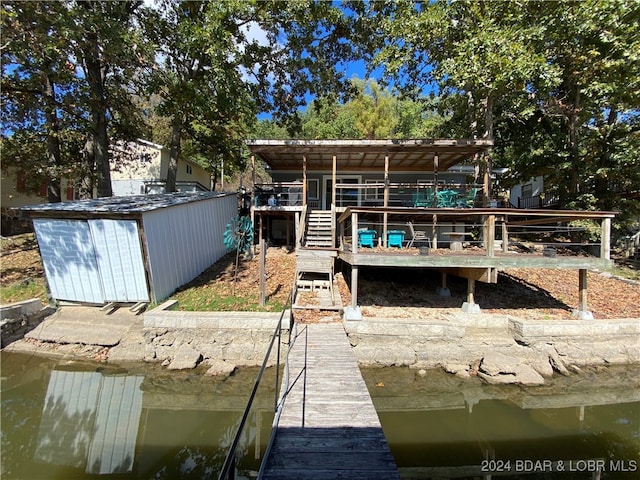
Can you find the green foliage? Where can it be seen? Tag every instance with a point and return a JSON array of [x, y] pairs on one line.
[[24, 290], [555, 84]]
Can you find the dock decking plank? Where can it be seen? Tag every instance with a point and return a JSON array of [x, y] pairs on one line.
[[329, 427]]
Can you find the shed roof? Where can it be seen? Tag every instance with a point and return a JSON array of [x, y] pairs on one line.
[[405, 155], [116, 206]]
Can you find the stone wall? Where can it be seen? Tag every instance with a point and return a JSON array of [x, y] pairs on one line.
[[500, 349], [221, 340], [18, 318]]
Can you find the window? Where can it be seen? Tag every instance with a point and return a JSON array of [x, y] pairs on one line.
[[527, 190], [373, 193], [313, 186], [189, 169]]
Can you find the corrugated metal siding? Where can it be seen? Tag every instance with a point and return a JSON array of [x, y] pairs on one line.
[[90, 421], [116, 428], [120, 261], [69, 260], [182, 241]]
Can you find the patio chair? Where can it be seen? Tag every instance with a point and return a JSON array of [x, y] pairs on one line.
[[418, 236], [467, 200], [447, 198], [423, 198]]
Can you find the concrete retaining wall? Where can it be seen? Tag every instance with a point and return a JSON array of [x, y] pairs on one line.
[[236, 338], [18, 318], [461, 342]]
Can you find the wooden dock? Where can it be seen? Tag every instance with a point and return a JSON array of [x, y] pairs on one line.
[[329, 428]]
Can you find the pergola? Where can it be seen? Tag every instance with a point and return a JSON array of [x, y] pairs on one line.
[[416, 155]]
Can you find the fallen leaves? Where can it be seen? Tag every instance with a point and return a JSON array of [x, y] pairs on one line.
[[399, 293]]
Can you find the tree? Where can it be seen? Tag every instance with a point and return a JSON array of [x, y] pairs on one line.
[[199, 80], [67, 70], [108, 46], [36, 86]]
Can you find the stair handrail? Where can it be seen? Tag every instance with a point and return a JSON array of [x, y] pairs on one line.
[[303, 225], [228, 468], [333, 225], [286, 387]]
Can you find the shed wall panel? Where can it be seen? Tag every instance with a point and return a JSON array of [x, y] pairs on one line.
[[184, 240], [69, 260], [120, 260]]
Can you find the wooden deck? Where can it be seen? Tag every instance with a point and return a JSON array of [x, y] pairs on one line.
[[329, 428]]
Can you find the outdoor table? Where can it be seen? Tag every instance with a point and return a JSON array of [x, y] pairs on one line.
[[456, 239]]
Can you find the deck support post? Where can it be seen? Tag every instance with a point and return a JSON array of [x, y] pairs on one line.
[[334, 168], [304, 180], [505, 236], [582, 313], [354, 232], [443, 290], [470, 306], [490, 234], [288, 232], [434, 232], [385, 215], [352, 312], [605, 239]]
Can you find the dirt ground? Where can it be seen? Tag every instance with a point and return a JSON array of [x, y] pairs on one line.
[[403, 293]]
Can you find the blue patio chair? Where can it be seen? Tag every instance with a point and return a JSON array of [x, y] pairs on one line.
[[423, 198], [467, 200], [447, 198]]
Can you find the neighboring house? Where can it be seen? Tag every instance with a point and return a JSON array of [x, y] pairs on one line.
[[531, 194], [141, 167], [14, 194]]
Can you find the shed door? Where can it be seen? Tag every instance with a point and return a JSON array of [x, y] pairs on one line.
[[119, 259], [69, 260]]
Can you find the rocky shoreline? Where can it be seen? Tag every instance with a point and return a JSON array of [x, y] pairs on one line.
[[495, 349]]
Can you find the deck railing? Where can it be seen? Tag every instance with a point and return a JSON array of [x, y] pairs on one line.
[[228, 471], [538, 201], [442, 195], [492, 229]]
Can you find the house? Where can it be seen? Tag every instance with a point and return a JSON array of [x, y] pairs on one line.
[[362, 202], [532, 194], [14, 194], [141, 167], [138, 167]]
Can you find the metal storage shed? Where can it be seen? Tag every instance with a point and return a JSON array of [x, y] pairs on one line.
[[130, 249]]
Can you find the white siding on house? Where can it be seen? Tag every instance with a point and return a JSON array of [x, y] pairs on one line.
[[69, 260], [185, 240], [120, 261]]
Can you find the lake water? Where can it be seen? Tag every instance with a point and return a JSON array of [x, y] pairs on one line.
[[82, 420]]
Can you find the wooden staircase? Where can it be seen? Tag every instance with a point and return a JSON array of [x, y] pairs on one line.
[[318, 232], [316, 256], [314, 270]]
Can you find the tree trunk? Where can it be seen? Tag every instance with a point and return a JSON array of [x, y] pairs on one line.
[[54, 160], [172, 172], [574, 168], [98, 142], [488, 134]]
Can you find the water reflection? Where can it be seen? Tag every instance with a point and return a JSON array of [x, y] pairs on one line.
[[439, 426], [79, 420]]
